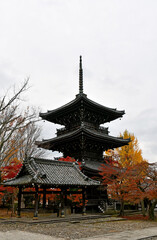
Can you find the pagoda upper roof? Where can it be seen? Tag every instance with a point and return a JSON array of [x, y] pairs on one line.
[[81, 100], [82, 107], [110, 141], [50, 172]]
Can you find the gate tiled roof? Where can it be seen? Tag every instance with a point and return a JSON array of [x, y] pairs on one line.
[[50, 172]]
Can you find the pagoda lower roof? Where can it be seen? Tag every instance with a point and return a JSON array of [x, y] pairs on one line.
[[112, 142], [50, 173], [82, 100], [94, 166]]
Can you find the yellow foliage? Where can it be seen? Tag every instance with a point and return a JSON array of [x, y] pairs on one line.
[[131, 154]]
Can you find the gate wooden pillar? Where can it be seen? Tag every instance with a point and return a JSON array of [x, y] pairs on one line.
[[62, 203], [84, 201], [65, 195], [44, 197], [36, 203], [19, 203]]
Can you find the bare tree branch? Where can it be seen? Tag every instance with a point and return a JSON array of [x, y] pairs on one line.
[[16, 96], [18, 130]]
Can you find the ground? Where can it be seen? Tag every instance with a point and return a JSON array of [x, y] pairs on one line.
[[79, 229], [74, 228]]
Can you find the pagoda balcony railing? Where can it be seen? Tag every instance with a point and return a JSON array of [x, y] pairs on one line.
[[61, 131], [103, 130], [64, 130]]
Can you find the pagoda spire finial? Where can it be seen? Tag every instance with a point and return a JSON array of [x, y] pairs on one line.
[[80, 77]]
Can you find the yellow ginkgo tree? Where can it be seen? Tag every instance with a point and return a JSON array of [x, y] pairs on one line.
[[131, 154]]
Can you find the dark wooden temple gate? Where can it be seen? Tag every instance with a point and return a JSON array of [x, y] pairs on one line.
[[47, 175]]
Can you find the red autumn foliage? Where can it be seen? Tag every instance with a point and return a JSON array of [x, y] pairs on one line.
[[76, 199], [70, 159], [67, 159], [131, 184], [124, 183], [9, 172]]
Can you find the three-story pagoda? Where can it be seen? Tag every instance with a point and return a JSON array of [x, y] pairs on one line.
[[82, 137]]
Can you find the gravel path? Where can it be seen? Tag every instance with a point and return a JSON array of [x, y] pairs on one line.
[[77, 230], [21, 235]]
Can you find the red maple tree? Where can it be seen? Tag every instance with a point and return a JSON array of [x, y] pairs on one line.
[[123, 184], [8, 193]]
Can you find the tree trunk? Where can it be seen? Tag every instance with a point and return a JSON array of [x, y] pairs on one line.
[[143, 208], [121, 213], [151, 209]]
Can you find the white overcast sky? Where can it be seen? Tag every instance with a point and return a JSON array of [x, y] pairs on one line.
[[43, 39]]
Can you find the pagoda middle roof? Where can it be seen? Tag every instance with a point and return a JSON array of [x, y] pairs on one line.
[[81, 100], [51, 173], [112, 142]]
